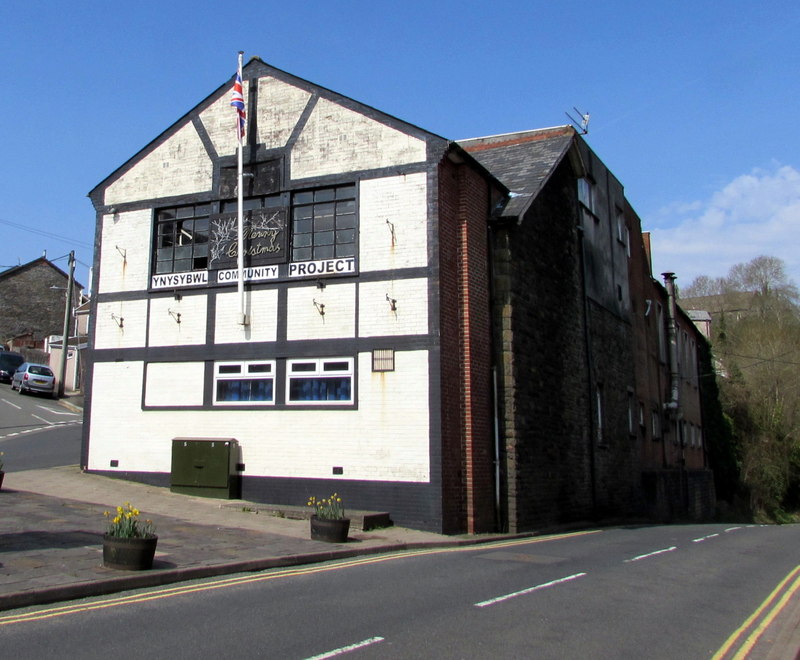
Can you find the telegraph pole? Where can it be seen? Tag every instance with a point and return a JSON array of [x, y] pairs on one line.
[[62, 367]]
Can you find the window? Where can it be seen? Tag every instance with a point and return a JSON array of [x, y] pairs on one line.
[[662, 333], [182, 238], [324, 381], [599, 411], [244, 383], [631, 414], [656, 422], [586, 193], [324, 223]]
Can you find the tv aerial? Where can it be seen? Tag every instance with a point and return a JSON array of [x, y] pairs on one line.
[[583, 124]]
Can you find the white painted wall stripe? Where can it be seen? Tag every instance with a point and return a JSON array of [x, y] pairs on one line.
[[499, 599]]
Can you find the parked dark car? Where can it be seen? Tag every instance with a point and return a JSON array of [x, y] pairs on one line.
[[34, 378], [9, 362]]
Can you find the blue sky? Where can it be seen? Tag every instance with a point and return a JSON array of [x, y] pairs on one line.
[[691, 103]]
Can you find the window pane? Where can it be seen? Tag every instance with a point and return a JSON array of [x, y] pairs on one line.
[[348, 250], [303, 226], [181, 265], [229, 369], [303, 197], [319, 389], [302, 240], [250, 389], [324, 195], [259, 368], [324, 223], [346, 221], [345, 191], [324, 252], [184, 212], [336, 366], [303, 366], [346, 207], [323, 238], [324, 210], [303, 254], [346, 236]]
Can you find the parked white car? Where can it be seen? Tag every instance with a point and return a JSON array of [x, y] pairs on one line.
[[30, 377]]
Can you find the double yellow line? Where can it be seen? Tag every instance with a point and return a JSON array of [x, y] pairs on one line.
[[744, 638], [159, 594]]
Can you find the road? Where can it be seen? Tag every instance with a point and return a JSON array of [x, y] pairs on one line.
[[660, 592], [36, 432]]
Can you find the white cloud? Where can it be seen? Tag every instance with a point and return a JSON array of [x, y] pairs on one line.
[[755, 214]]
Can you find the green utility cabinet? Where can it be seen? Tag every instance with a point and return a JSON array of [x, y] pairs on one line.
[[205, 467]]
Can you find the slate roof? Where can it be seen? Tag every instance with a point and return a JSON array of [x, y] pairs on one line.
[[521, 161]]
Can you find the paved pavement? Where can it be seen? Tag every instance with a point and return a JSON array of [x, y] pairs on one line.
[[53, 522]]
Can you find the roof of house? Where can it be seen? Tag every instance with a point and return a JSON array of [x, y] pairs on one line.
[[522, 161], [41, 261]]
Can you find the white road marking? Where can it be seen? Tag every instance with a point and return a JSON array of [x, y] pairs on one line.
[[732, 529], [37, 429], [652, 554], [42, 419], [529, 590], [704, 538], [346, 649], [13, 405], [58, 412]]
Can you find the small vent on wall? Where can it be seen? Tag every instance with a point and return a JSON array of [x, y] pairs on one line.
[[383, 359]]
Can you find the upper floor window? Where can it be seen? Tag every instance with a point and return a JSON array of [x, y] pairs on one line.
[[324, 223], [182, 238], [586, 193]]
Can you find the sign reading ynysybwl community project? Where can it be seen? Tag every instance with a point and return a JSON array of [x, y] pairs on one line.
[[264, 239], [294, 270]]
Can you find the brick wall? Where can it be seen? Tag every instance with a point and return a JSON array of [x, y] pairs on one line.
[[467, 468]]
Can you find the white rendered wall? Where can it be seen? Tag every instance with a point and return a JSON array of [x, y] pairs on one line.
[[279, 109], [120, 324], [174, 384], [178, 167], [262, 312], [125, 251], [393, 222], [304, 320], [376, 317], [165, 330], [385, 439], [337, 140]]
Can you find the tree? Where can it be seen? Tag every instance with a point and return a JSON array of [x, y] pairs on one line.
[[756, 342]]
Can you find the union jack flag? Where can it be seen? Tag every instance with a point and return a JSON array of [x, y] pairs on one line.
[[237, 101]]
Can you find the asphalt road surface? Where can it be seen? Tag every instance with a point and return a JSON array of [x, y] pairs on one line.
[[36, 432], [660, 592]]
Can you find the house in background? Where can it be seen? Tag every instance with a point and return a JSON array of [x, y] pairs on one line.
[[440, 330], [32, 308]]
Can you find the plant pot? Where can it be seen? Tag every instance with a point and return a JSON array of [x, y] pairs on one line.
[[332, 531], [134, 554]]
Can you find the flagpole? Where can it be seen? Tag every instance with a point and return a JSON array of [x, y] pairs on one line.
[[240, 211]]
